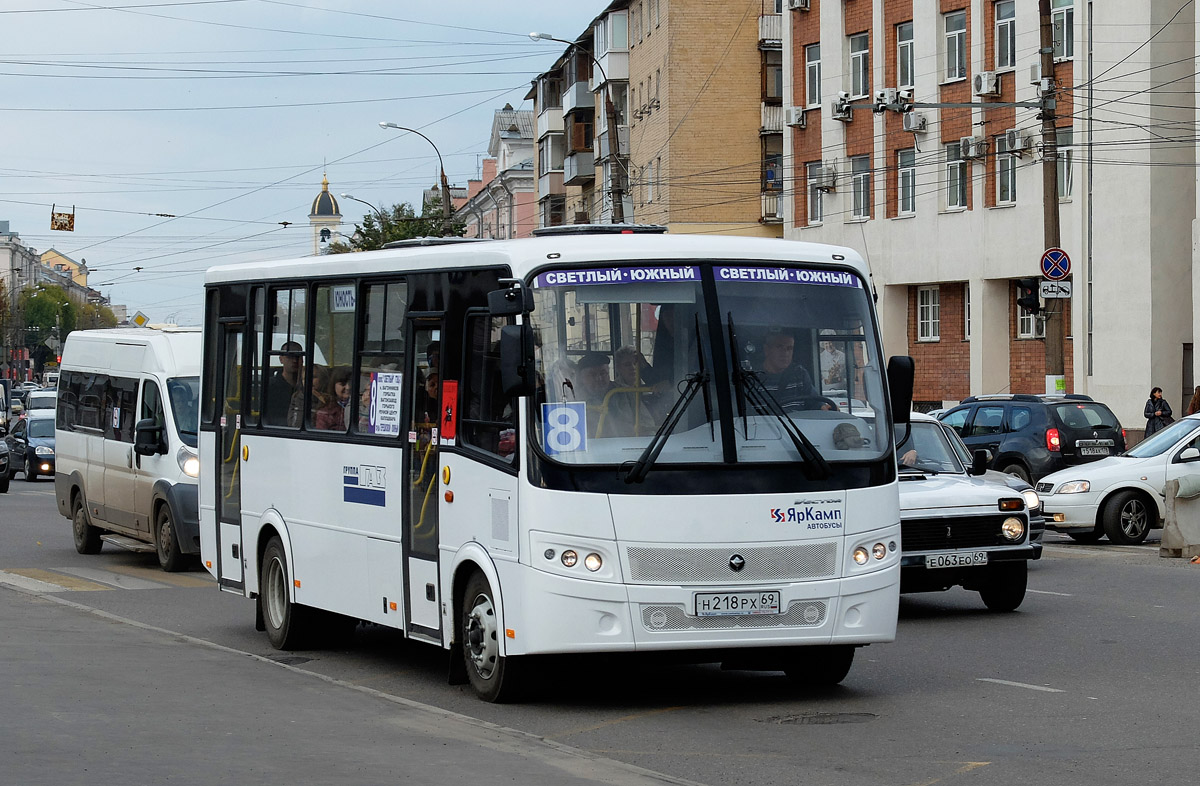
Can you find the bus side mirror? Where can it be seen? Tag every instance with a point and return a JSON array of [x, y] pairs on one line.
[[510, 302], [147, 438], [517, 374], [900, 374]]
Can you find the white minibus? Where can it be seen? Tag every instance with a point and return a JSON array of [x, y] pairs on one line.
[[600, 440], [126, 437]]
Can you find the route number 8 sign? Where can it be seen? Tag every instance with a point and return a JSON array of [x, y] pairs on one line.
[[564, 427]]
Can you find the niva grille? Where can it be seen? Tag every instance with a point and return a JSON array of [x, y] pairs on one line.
[[798, 562], [952, 532], [800, 614]]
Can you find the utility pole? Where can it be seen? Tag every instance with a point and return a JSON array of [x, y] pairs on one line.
[[1054, 327]]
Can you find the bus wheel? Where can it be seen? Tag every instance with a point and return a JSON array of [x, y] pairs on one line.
[[170, 558], [492, 676], [87, 537], [820, 667], [286, 621]]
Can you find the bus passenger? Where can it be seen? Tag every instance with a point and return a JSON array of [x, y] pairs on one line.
[[610, 414], [284, 382], [334, 414]]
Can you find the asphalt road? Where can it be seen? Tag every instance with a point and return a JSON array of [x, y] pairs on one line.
[[1092, 681]]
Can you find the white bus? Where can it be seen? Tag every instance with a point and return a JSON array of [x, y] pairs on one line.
[[583, 442]]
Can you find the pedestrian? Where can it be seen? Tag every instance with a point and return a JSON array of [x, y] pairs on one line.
[[1194, 405], [1158, 412]]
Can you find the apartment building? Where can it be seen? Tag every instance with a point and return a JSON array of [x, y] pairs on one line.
[[947, 204], [696, 91], [502, 203]]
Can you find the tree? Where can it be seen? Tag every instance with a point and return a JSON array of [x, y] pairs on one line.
[[93, 316], [399, 223], [49, 315]]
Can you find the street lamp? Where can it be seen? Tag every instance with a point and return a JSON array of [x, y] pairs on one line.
[[446, 222], [614, 144]]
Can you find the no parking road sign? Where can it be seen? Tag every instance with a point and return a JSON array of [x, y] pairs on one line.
[[1056, 265]]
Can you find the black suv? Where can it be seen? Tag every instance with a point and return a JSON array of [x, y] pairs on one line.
[[1031, 436]]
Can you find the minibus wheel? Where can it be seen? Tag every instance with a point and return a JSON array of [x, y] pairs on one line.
[[492, 676], [170, 558], [286, 622], [820, 666], [87, 537]]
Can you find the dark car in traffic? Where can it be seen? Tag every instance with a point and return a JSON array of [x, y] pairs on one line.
[[3, 466], [31, 445], [1031, 436]]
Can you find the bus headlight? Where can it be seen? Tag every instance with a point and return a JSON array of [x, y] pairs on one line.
[[879, 551], [1013, 528], [569, 558], [861, 556], [593, 562], [188, 462]]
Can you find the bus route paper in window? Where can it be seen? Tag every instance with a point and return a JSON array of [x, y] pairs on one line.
[[384, 415]]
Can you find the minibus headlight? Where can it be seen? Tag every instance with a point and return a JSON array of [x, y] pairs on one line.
[[861, 556], [569, 558], [593, 562], [879, 551], [188, 462], [1013, 528]]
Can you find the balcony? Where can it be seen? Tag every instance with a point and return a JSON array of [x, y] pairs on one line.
[[549, 121], [772, 209], [772, 118], [770, 31], [578, 96], [602, 143], [579, 168], [550, 183]]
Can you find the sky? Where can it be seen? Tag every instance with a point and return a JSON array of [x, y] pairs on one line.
[[184, 133]]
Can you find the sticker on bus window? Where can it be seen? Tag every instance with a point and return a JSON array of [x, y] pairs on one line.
[[788, 275], [449, 410], [383, 413], [618, 275], [564, 427]]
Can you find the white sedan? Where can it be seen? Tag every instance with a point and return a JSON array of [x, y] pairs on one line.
[[1122, 496]]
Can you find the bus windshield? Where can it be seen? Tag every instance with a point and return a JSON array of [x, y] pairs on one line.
[[720, 363]]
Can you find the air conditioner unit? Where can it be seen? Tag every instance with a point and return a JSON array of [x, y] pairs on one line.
[[794, 116], [987, 84], [800, 5], [1035, 74], [914, 121], [825, 179], [972, 147], [1014, 140]]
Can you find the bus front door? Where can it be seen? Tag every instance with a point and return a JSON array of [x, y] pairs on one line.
[[227, 473], [422, 487]]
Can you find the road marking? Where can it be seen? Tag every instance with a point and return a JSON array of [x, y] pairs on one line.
[[57, 582], [174, 579], [112, 579], [1020, 685], [613, 722], [1048, 592]]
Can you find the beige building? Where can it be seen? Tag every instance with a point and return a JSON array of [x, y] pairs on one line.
[[697, 89]]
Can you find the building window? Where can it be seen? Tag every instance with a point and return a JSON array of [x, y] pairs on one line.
[[772, 174], [860, 179], [956, 177], [1062, 19], [929, 321], [904, 54], [816, 206], [1065, 139], [956, 45], [1006, 173], [654, 18], [773, 75], [1028, 325], [648, 177], [967, 311], [612, 34], [860, 66], [812, 86], [554, 210], [906, 170], [635, 23], [549, 94], [1006, 27], [550, 154]]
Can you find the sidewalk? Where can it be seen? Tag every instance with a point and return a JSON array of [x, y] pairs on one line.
[[88, 698]]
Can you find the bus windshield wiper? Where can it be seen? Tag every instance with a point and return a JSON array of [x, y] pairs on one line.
[[637, 473]]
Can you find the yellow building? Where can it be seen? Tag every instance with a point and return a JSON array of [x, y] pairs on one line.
[[696, 90], [64, 265]]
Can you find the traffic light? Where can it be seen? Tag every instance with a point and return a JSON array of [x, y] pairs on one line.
[[1027, 295]]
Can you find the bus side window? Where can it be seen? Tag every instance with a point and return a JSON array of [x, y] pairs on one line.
[[489, 418]]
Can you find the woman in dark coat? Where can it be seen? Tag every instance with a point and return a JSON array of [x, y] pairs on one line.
[[1158, 412]]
